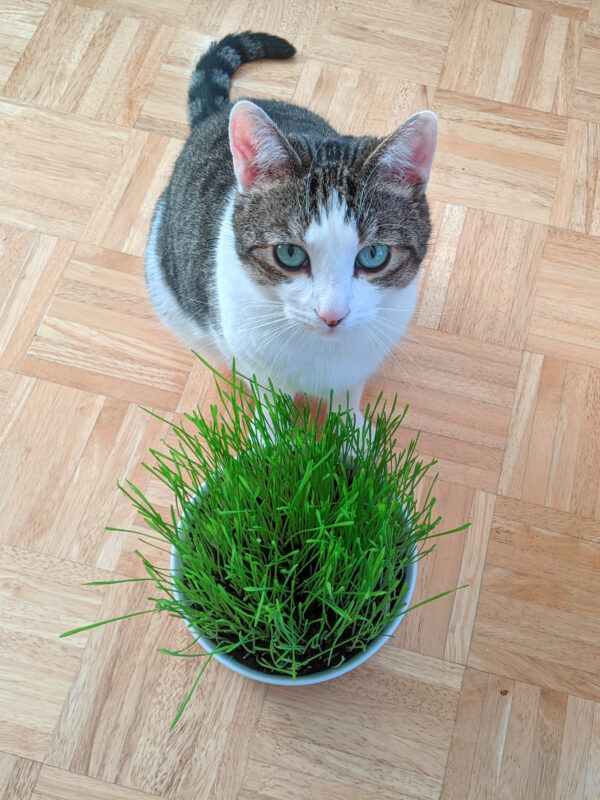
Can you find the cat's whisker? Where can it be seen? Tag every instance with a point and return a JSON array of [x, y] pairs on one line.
[[417, 309], [272, 335], [252, 326], [408, 335], [389, 354], [294, 332], [395, 344]]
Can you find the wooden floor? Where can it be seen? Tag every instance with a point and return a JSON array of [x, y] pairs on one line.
[[490, 693]]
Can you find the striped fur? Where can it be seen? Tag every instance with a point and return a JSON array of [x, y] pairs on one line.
[[209, 84]]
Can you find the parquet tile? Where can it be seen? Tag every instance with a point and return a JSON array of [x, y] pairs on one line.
[[359, 102], [294, 20], [396, 40], [548, 518], [551, 456], [105, 738], [111, 65], [566, 319], [141, 177], [54, 168], [593, 23], [18, 23], [529, 742], [54, 783], [30, 290], [18, 776], [497, 157], [515, 55], [410, 742], [577, 201], [481, 276], [33, 614], [165, 12], [489, 693], [586, 97], [465, 392], [539, 611], [164, 109], [100, 324], [573, 9], [6, 381]]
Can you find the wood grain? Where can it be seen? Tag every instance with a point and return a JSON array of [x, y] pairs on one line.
[[491, 692], [18, 24], [497, 157], [41, 598], [585, 104], [514, 54], [577, 201], [18, 776], [55, 783], [515, 740], [489, 292], [528, 605]]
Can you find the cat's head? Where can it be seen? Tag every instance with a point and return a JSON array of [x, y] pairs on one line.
[[331, 228]]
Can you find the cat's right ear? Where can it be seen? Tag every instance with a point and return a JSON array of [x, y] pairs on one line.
[[261, 153], [406, 156]]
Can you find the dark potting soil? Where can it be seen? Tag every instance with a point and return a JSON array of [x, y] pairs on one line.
[[321, 661]]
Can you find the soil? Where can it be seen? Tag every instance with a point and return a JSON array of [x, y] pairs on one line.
[[319, 664]]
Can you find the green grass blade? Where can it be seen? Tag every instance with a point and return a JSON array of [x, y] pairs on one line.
[[105, 622]]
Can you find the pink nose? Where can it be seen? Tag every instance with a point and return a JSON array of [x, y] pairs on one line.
[[332, 318]]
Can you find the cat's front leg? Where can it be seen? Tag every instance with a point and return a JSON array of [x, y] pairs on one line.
[[349, 400], [263, 424]]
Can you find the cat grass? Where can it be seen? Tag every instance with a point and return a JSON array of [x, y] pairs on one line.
[[293, 555]]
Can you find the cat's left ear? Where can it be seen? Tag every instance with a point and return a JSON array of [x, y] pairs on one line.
[[406, 156], [261, 153]]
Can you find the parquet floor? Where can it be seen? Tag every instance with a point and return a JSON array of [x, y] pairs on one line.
[[490, 693]]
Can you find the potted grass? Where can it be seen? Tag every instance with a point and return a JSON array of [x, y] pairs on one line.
[[294, 545]]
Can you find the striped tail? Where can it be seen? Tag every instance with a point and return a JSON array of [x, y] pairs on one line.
[[209, 84]]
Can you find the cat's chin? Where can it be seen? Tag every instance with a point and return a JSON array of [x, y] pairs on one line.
[[329, 334]]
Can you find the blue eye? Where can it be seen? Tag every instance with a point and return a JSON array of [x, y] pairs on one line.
[[290, 256], [374, 256]]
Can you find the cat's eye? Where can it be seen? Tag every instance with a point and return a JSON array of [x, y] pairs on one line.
[[374, 256], [290, 256]]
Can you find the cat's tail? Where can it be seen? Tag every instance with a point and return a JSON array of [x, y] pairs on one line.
[[209, 84]]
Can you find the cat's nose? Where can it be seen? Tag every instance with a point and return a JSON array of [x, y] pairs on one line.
[[332, 318]]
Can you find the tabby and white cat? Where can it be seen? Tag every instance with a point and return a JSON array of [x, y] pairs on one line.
[[283, 245]]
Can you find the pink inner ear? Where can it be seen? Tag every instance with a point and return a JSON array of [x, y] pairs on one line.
[[410, 154], [259, 150], [244, 149], [418, 169]]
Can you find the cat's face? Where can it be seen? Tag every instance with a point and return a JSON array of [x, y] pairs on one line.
[[334, 233]]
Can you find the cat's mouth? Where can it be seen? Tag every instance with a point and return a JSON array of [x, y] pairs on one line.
[[325, 332]]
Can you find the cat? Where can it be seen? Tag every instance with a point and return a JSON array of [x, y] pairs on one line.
[[283, 245]]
